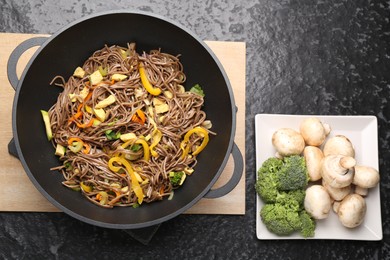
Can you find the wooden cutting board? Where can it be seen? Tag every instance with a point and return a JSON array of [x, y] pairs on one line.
[[17, 193]]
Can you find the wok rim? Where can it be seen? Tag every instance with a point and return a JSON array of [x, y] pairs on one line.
[[116, 225]]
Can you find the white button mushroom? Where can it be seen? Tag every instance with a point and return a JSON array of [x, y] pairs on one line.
[[337, 193], [361, 191], [317, 202], [288, 142], [338, 170], [313, 157], [314, 131], [352, 210], [365, 177], [336, 205], [339, 145]]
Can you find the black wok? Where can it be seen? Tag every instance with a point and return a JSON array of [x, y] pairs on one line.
[[67, 49]]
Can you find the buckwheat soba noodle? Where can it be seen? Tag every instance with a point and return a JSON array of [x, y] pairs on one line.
[[125, 128]]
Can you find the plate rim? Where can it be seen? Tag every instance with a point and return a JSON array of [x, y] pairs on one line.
[[371, 119]]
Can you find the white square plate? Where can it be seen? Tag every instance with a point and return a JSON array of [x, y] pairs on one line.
[[363, 133]]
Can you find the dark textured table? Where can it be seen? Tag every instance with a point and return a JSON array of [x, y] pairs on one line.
[[303, 57]]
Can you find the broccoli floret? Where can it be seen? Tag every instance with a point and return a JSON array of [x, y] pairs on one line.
[[271, 165], [276, 175], [308, 225], [176, 178], [280, 219], [293, 198], [288, 215], [293, 175], [281, 185], [267, 184]]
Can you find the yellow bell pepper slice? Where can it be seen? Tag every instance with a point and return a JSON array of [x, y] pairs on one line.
[[134, 182], [146, 83], [144, 145], [199, 131], [156, 139], [156, 135], [111, 165], [85, 188]]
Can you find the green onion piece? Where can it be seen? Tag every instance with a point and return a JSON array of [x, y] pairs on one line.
[[111, 135]]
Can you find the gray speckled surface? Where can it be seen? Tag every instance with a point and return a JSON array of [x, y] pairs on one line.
[[303, 57]]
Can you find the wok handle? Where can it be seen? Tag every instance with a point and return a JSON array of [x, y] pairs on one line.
[[234, 180], [15, 56]]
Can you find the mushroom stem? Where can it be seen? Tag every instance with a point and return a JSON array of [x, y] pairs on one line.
[[338, 170], [347, 162]]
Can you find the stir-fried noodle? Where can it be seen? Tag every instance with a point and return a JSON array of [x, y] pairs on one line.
[[125, 140]]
